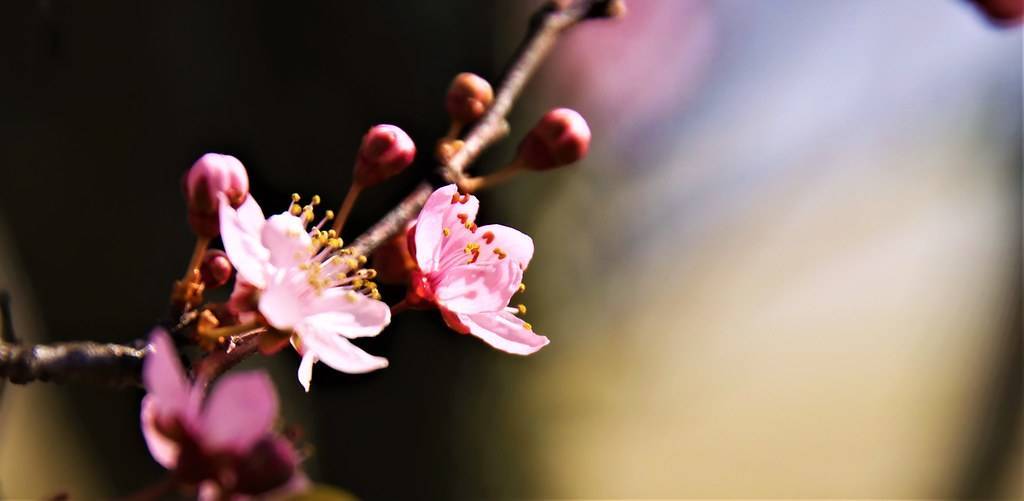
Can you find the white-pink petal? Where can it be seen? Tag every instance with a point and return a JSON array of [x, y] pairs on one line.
[[240, 410], [285, 299], [306, 369], [285, 236], [504, 331], [347, 313], [241, 236], [336, 351]]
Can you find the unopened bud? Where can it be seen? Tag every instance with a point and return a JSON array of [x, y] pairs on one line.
[[386, 150], [216, 269], [210, 177], [468, 98], [561, 137]]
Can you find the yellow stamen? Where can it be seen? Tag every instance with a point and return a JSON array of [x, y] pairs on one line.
[[522, 309], [447, 232], [296, 197], [528, 326], [522, 287]]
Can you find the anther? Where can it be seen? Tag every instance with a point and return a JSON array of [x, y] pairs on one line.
[[522, 288], [528, 326], [501, 254], [447, 232], [488, 237], [315, 200], [521, 308], [296, 198]]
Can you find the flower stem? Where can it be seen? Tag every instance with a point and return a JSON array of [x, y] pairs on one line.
[[346, 207], [474, 184], [192, 272], [399, 307]]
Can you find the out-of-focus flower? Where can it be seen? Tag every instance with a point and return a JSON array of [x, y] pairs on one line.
[[385, 151], [226, 443], [1008, 12], [216, 269], [213, 176], [470, 273], [561, 137], [304, 283]]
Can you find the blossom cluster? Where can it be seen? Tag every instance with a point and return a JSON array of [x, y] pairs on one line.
[[295, 282]]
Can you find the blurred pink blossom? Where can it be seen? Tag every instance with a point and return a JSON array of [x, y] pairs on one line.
[[226, 443]]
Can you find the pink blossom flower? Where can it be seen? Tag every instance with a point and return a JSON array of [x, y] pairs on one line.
[[227, 443], [304, 283], [470, 273]]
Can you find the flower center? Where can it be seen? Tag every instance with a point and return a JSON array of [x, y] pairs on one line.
[[329, 264]]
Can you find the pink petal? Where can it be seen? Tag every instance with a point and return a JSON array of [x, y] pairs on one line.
[[438, 213], [286, 298], [163, 375], [242, 241], [347, 313], [164, 450], [514, 244], [504, 331], [240, 410], [336, 351], [287, 239], [478, 288]]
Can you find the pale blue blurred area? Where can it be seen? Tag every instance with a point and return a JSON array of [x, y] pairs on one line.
[[789, 269]]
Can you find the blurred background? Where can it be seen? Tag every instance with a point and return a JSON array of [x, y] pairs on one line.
[[790, 266]]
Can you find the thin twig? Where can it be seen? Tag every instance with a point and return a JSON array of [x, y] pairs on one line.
[[545, 27]]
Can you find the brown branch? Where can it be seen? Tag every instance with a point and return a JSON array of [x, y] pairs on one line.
[[219, 361], [80, 362], [545, 27]]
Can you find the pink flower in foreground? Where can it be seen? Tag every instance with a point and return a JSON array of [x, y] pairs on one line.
[[225, 444], [470, 273], [304, 283]]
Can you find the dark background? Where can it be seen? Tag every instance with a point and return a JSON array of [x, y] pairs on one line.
[[106, 104]]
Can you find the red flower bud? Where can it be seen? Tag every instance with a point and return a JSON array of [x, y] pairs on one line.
[[211, 176], [468, 98], [561, 137], [216, 269], [386, 150]]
